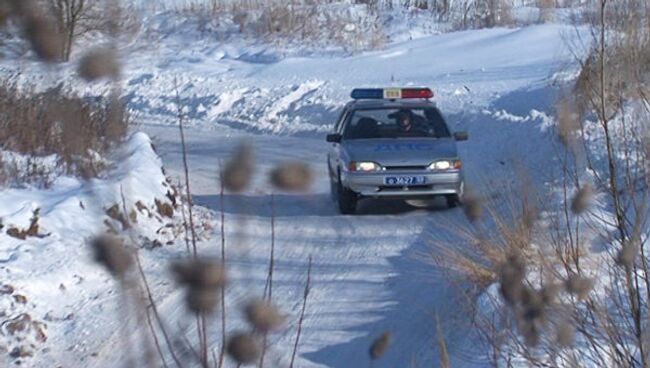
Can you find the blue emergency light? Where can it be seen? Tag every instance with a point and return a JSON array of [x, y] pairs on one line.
[[390, 93]]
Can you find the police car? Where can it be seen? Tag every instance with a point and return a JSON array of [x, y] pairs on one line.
[[393, 143]]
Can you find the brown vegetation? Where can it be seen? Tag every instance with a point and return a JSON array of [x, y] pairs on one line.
[[79, 132], [559, 303]]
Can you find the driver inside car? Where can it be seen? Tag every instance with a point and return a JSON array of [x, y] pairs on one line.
[[409, 124]]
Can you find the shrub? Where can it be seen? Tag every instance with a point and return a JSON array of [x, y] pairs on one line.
[[78, 132], [354, 28]]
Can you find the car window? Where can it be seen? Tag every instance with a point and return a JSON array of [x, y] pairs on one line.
[[396, 123], [339, 121]]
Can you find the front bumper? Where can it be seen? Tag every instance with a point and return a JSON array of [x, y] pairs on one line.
[[372, 184]]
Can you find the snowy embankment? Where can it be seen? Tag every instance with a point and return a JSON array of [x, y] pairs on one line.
[[54, 300], [368, 273]]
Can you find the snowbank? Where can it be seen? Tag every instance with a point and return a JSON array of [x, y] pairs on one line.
[[50, 285]]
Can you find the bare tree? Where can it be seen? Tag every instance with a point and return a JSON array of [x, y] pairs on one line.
[[74, 19]]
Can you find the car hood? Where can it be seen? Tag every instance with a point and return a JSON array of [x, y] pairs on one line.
[[401, 151]]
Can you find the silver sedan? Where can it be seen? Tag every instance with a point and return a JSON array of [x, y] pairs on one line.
[[393, 148]]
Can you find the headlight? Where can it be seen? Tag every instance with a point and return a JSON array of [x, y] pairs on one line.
[[445, 165], [363, 166], [442, 165]]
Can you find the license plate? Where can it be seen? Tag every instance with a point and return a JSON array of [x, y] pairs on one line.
[[404, 180]]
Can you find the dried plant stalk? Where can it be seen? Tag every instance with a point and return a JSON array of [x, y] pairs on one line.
[[302, 313]]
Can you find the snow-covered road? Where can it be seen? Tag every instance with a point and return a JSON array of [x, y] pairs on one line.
[[373, 271], [370, 272]]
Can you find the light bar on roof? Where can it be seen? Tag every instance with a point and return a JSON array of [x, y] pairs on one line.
[[390, 93]]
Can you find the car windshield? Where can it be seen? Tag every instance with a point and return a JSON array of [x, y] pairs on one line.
[[396, 123]]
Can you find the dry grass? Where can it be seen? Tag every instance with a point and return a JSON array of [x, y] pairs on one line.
[[502, 246], [315, 23], [77, 131], [328, 22], [32, 230], [498, 228], [560, 304]]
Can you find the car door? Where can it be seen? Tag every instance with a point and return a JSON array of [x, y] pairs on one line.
[[334, 150]]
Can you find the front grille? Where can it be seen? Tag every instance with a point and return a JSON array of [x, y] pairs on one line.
[[406, 168]]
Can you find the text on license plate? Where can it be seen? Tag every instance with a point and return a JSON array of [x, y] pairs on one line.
[[404, 180]]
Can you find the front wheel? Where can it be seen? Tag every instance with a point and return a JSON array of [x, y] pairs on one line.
[[347, 199], [334, 191]]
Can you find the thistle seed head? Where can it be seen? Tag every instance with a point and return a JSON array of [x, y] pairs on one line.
[[627, 255], [242, 348], [380, 345], [263, 316], [202, 300], [579, 286], [472, 206], [100, 62], [292, 176], [565, 335], [581, 200], [5, 13], [530, 331], [238, 171], [44, 36], [568, 122], [549, 293], [200, 273], [111, 253], [511, 277], [532, 302]]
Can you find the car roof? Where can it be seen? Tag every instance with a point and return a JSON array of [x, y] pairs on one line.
[[390, 104]]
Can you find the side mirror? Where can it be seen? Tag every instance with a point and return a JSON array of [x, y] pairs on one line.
[[334, 138], [461, 136]]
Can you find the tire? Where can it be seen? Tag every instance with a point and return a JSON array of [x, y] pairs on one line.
[[347, 199], [334, 190], [452, 200]]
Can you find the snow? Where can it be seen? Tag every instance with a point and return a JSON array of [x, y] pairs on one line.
[[65, 290], [370, 271]]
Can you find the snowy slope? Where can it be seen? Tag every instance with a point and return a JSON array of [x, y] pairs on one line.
[[67, 306], [296, 95], [257, 88]]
